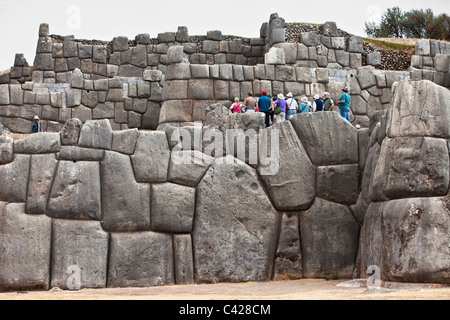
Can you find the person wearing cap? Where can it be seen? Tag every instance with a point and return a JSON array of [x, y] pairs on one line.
[[282, 104], [305, 107], [36, 125], [250, 103], [344, 104], [292, 105], [265, 104], [318, 103], [328, 103]]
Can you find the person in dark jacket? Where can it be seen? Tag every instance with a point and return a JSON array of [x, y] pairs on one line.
[[36, 125], [265, 106]]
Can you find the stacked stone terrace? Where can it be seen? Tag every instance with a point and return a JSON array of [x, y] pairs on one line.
[[134, 83]]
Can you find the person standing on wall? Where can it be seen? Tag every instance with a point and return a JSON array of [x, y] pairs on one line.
[[328, 103], [344, 104], [292, 106], [265, 104], [318, 103], [250, 103], [36, 125]]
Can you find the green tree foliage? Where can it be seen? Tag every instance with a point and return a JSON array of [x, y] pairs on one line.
[[410, 24]]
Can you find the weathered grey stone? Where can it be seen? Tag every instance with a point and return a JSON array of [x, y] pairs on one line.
[[275, 56], [329, 239], [289, 177], [366, 77], [290, 51], [175, 55], [153, 75], [288, 261], [337, 145], [374, 58], [15, 179], [79, 244], [140, 260], [16, 94], [410, 227], [355, 44], [442, 62], [120, 44], [99, 54], [338, 43], [188, 167], [176, 111], [96, 134], [243, 246], [343, 58], [4, 94], [71, 132], [302, 52], [19, 125], [201, 89], [82, 113], [75, 153], [151, 157], [89, 98], [25, 242], [150, 119], [210, 46], [355, 60], [125, 141], [6, 149], [338, 183], [175, 90], [411, 167], [278, 36], [310, 38], [199, 71], [166, 37], [182, 34], [130, 211], [172, 208], [358, 105], [423, 47], [183, 259], [419, 108], [75, 192], [330, 29]]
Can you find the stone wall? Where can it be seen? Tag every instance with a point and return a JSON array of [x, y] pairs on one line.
[[431, 62]]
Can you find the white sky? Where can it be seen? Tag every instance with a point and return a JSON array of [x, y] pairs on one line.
[[103, 20]]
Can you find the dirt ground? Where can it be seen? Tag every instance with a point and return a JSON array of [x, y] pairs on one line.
[[305, 289]]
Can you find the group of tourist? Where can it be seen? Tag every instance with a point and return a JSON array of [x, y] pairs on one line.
[[281, 108]]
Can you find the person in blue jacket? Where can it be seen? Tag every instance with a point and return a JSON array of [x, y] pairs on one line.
[[265, 105], [344, 104]]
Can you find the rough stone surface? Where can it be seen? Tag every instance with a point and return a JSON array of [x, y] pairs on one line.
[[288, 261], [96, 134], [232, 243], [320, 226], [151, 157], [338, 144], [291, 187], [172, 208], [411, 167], [25, 242], [183, 259], [41, 142], [15, 179], [140, 260], [75, 192], [419, 108], [130, 211], [6, 149], [42, 171], [79, 246], [338, 183], [188, 167], [125, 141]]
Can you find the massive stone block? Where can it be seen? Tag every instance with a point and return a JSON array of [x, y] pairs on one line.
[[327, 138], [233, 241], [411, 167], [42, 171], [338, 183], [75, 191], [140, 259], [25, 242], [288, 262], [42, 142], [292, 186], [415, 240], [79, 246], [6, 149], [125, 203], [96, 134], [183, 259], [329, 236], [14, 179], [419, 108], [172, 208], [151, 157], [188, 167]]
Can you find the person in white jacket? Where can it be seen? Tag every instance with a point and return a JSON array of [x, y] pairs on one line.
[[292, 106]]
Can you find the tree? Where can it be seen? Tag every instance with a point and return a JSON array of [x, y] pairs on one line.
[[439, 28], [391, 23], [415, 23]]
